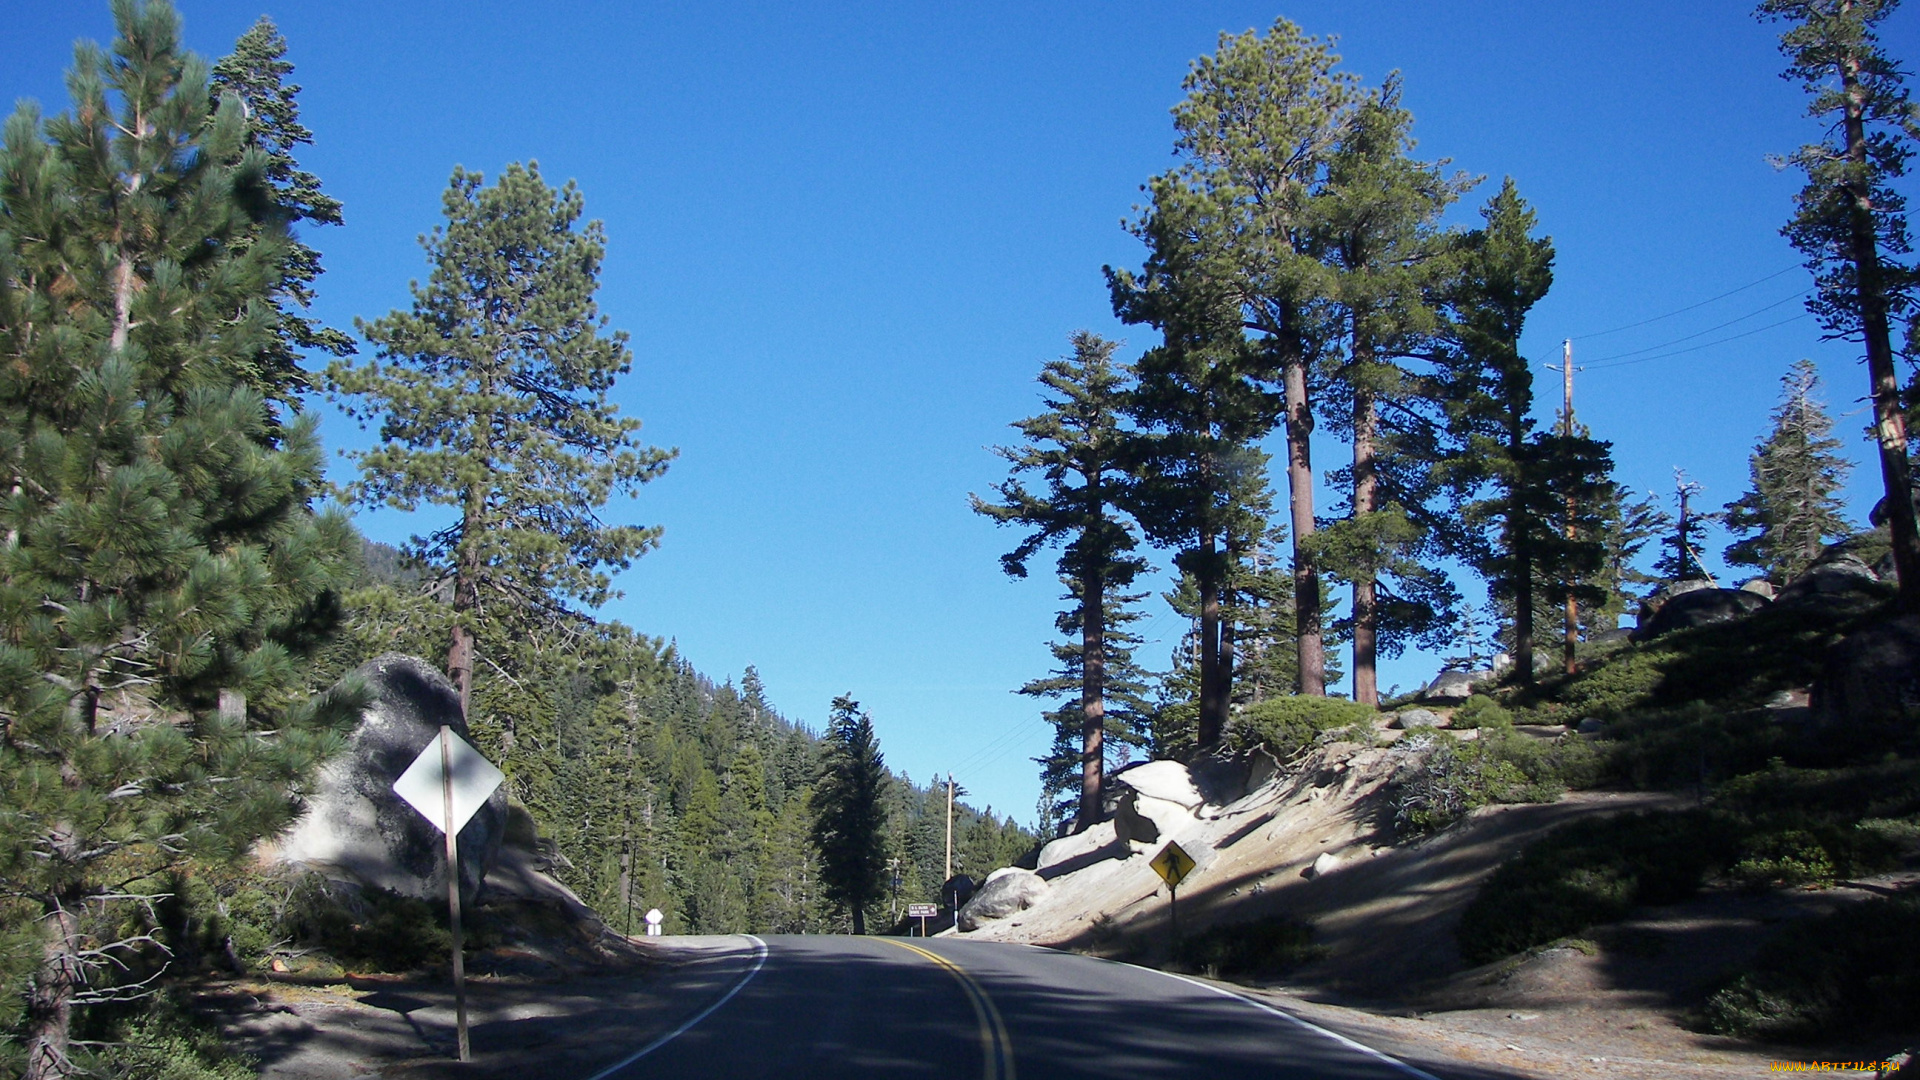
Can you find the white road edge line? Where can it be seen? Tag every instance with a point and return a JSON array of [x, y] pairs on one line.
[[1421, 1074], [759, 961]]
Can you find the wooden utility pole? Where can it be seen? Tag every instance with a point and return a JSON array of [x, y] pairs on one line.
[[1571, 642], [949, 876]]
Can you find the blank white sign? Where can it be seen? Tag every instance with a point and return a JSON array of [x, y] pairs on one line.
[[474, 778]]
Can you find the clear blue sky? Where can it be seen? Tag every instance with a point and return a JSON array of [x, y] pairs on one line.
[[844, 237]]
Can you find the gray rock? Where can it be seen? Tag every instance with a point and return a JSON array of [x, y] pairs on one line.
[[1606, 637], [1592, 725], [1760, 587], [1699, 607], [1838, 581], [1543, 661], [1221, 779], [1168, 780], [1451, 686], [1788, 699], [1006, 891], [1652, 604], [1418, 718], [1080, 845], [356, 829], [1326, 863], [1871, 678]]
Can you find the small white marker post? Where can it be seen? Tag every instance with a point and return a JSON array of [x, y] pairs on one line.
[[447, 783]]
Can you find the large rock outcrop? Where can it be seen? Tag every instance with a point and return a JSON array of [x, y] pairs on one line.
[[1699, 607], [1007, 891], [1871, 678], [1153, 800], [1840, 581], [1455, 686], [356, 829]]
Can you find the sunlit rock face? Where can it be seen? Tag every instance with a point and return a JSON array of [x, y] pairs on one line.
[[1007, 891], [356, 829]]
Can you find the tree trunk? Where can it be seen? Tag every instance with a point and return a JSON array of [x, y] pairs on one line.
[[1520, 549], [1306, 580], [859, 918], [50, 999], [1213, 697], [466, 601], [1889, 424], [1093, 690], [1366, 688], [460, 651]]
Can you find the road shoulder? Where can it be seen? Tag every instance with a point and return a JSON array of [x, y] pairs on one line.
[[403, 1026]]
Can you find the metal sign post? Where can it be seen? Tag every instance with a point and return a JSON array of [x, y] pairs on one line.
[[923, 912], [453, 889], [447, 784], [1174, 865]]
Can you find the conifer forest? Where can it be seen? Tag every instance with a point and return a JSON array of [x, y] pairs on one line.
[[1324, 448]]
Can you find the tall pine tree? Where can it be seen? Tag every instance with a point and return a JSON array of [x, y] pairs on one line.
[[1850, 219], [1536, 498], [1379, 234], [849, 815], [1079, 450], [1231, 235], [1792, 508], [491, 399], [162, 575], [256, 73]]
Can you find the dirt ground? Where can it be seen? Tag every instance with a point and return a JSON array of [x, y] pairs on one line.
[[1611, 1005]]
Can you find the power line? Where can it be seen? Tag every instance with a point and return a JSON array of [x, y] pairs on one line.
[[1708, 330], [1689, 307], [1704, 345], [1001, 746]]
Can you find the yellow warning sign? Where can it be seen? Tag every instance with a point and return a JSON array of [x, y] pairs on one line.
[[1172, 864]]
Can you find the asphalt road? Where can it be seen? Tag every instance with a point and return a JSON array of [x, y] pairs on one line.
[[847, 1007]]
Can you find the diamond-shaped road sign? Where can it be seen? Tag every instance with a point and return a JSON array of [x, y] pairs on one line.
[[474, 778], [1173, 864]]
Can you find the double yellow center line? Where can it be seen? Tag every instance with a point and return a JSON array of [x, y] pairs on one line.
[[996, 1049]]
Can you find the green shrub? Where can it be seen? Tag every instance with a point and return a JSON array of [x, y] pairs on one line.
[[1841, 974], [1785, 857], [1591, 872], [1732, 665], [1501, 766], [1696, 745], [368, 929], [1481, 711], [163, 1040], [1288, 727], [1263, 947]]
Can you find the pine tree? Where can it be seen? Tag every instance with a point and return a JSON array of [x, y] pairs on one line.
[[256, 73], [1850, 220], [162, 578], [493, 400], [1123, 698], [1791, 508], [1379, 234], [1680, 549], [1080, 451], [1627, 524], [1231, 236], [1537, 531], [849, 821]]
